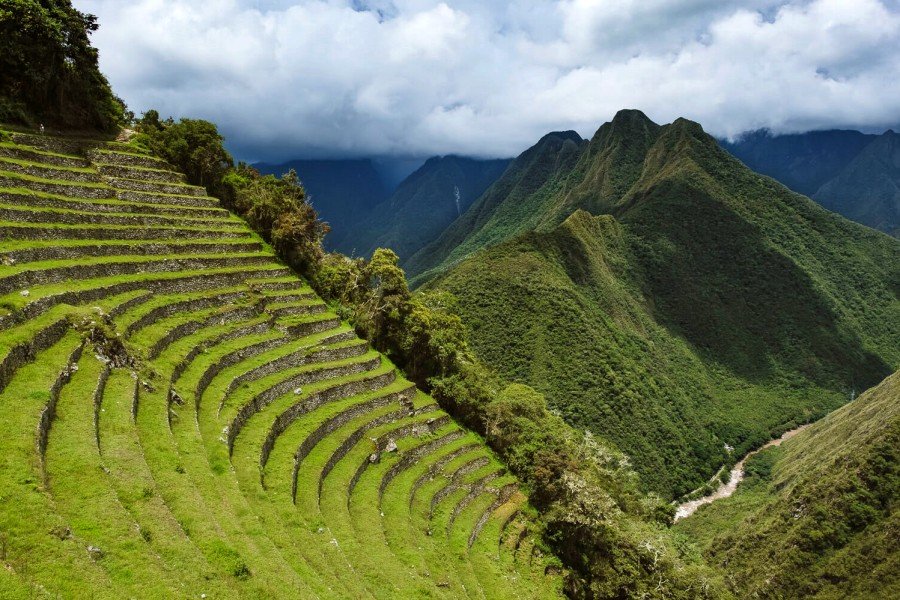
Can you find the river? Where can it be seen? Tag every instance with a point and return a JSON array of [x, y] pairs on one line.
[[686, 509]]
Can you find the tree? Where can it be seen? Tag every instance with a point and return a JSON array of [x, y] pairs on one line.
[[49, 71]]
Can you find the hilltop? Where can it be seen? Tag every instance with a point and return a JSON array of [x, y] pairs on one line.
[[671, 300]]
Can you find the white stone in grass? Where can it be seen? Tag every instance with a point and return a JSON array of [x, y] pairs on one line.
[[298, 391], [391, 446], [25, 293]]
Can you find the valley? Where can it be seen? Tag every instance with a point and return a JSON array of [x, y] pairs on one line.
[[362, 299]]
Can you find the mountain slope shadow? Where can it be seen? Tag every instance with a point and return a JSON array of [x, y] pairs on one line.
[[716, 280]]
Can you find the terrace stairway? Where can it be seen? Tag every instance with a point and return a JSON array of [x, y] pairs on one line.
[[184, 417]]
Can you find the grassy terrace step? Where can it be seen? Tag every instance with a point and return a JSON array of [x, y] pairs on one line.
[[72, 146], [153, 187], [25, 197], [42, 298], [84, 495], [289, 535], [42, 171], [140, 173], [9, 179], [386, 575], [55, 231], [38, 156], [128, 159], [168, 199], [245, 359], [24, 275], [38, 543], [279, 394], [406, 533], [168, 305], [23, 252], [68, 216], [206, 498]]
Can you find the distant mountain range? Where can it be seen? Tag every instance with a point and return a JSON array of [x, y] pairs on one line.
[[852, 173], [366, 206], [666, 297], [423, 205], [342, 191]]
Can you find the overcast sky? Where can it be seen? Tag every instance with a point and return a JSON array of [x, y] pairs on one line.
[[333, 78]]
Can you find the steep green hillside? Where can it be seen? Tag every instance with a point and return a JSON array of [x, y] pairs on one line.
[[512, 204], [424, 205], [818, 516], [183, 416], [868, 189], [711, 306]]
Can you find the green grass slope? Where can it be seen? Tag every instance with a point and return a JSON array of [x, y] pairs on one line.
[[183, 417], [705, 305], [816, 517]]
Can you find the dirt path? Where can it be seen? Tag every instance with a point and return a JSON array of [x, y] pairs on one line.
[[686, 509]]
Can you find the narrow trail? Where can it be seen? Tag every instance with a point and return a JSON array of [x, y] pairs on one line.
[[686, 509]]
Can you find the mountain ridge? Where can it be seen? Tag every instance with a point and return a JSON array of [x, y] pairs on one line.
[[761, 297]]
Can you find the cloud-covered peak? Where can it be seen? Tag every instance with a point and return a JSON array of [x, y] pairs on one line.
[[329, 78]]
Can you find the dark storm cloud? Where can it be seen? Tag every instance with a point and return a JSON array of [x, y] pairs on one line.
[[420, 77]]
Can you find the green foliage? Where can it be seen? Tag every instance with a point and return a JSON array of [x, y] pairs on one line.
[[194, 146], [48, 68], [817, 517], [422, 334]]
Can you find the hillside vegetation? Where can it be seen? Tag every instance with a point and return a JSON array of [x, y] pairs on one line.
[[704, 305], [48, 68], [851, 173], [818, 516], [804, 162], [184, 416]]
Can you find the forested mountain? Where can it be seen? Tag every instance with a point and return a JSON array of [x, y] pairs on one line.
[[703, 305], [511, 204], [867, 190], [803, 162], [342, 191], [422, 206], [818, 516], [848, 172]]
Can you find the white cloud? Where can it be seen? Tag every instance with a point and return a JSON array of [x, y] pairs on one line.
[[418, 77]]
